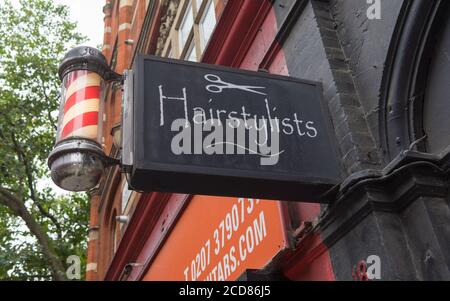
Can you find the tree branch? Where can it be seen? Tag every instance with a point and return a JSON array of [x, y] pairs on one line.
[[30, 182], [17, 206], [49, 113]]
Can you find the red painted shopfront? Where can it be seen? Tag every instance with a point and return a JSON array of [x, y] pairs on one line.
[[391, 208], [184, 237]]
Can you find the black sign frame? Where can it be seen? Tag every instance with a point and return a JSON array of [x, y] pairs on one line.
[[145, 175]]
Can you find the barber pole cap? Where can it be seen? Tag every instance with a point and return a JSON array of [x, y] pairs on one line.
[[78, 160]]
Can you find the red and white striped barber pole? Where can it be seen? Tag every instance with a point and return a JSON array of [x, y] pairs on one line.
[[80, 109], [78, 159]]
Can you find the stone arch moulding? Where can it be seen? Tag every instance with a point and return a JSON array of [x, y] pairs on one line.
[[405, 76]]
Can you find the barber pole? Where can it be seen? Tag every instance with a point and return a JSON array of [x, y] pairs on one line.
[[81, 106], [78, 159]]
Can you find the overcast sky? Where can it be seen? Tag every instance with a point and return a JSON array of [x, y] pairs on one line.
[[89, 17]]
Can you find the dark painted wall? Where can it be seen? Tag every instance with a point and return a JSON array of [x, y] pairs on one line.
[[365, 43], [314, 50], [402, 213], [436, 121]]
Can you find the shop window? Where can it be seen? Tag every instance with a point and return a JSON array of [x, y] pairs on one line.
[[207, 24], [186, 25]]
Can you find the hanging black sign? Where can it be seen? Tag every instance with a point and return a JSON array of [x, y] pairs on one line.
[[204, 129]]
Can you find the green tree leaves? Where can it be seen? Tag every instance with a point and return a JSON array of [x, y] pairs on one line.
[[38, 227]]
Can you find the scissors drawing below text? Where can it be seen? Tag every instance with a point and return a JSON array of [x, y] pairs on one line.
[[220, 85]]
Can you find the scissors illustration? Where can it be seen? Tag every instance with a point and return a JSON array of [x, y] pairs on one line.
[[220, 85]]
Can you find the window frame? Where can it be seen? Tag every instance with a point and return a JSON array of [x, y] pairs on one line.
[[191, 47], [188, 11], [202, 17]]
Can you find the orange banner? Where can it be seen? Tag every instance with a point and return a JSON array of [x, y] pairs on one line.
[[218, 238]]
